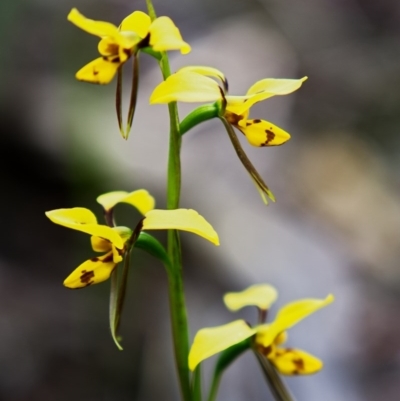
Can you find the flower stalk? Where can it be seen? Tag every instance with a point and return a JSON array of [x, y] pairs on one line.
[[177, 301]]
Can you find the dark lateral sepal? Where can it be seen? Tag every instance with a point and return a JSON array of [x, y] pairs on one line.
[[118, 287], [258, 181], [133, 98]]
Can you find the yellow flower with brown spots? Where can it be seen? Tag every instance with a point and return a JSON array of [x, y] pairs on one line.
[[193, 84], [118, 44], [199, 84], [116, 241], [267, 338]]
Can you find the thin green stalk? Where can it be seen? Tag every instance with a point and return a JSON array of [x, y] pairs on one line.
[[177, 302], [197, 393], [176, 292], [212, 396]]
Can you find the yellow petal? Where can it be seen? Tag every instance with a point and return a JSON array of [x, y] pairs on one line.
[[276, 86], [180, 219], [207, 71], [295, 362], [260, 295], [210, 341], [263, 133], [139, 199], [164, 36], [186, 87], [138, 22], [117, 254], [288, 316], [116, 51], [93, 271], [99, 71], [84, 220], [100, 244], [108, 47], [103, 245], [98, 28], [262, 90]]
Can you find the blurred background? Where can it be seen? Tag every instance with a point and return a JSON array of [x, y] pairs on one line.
[[335, 227]]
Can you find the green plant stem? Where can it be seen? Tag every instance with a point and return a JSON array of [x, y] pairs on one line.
[[212, 396], [175, 280], [224, 361]]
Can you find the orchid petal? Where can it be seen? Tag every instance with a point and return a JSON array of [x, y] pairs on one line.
[[164, 36], [295, 362], [186, 86], [180, 219], [140, 199], [97, 28], [99, 71], [260, 295], [262, 133], [93, 271], [84, 220], [210, 341]]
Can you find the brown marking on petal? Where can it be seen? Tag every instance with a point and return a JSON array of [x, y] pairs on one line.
[[264, 350], [95, 72], [299, 363], [270, 136], [86, 277], [233, 118], [247, 124], [112, 48], [115, 60], [295, 372], [109, 258], [95, 259], [145, 42], [256, 121]]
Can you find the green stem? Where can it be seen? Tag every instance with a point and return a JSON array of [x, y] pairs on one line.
[[177, 302], [225, 359], [215, 386]]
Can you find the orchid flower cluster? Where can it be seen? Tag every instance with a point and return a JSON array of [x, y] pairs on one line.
[[139, 33]]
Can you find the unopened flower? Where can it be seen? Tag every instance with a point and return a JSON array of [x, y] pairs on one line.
[[267, 338]]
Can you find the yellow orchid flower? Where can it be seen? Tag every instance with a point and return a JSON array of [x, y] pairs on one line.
[[193, 84], [113, 240], [198, 84], [267, 338], [104, 239], [118, 44]]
